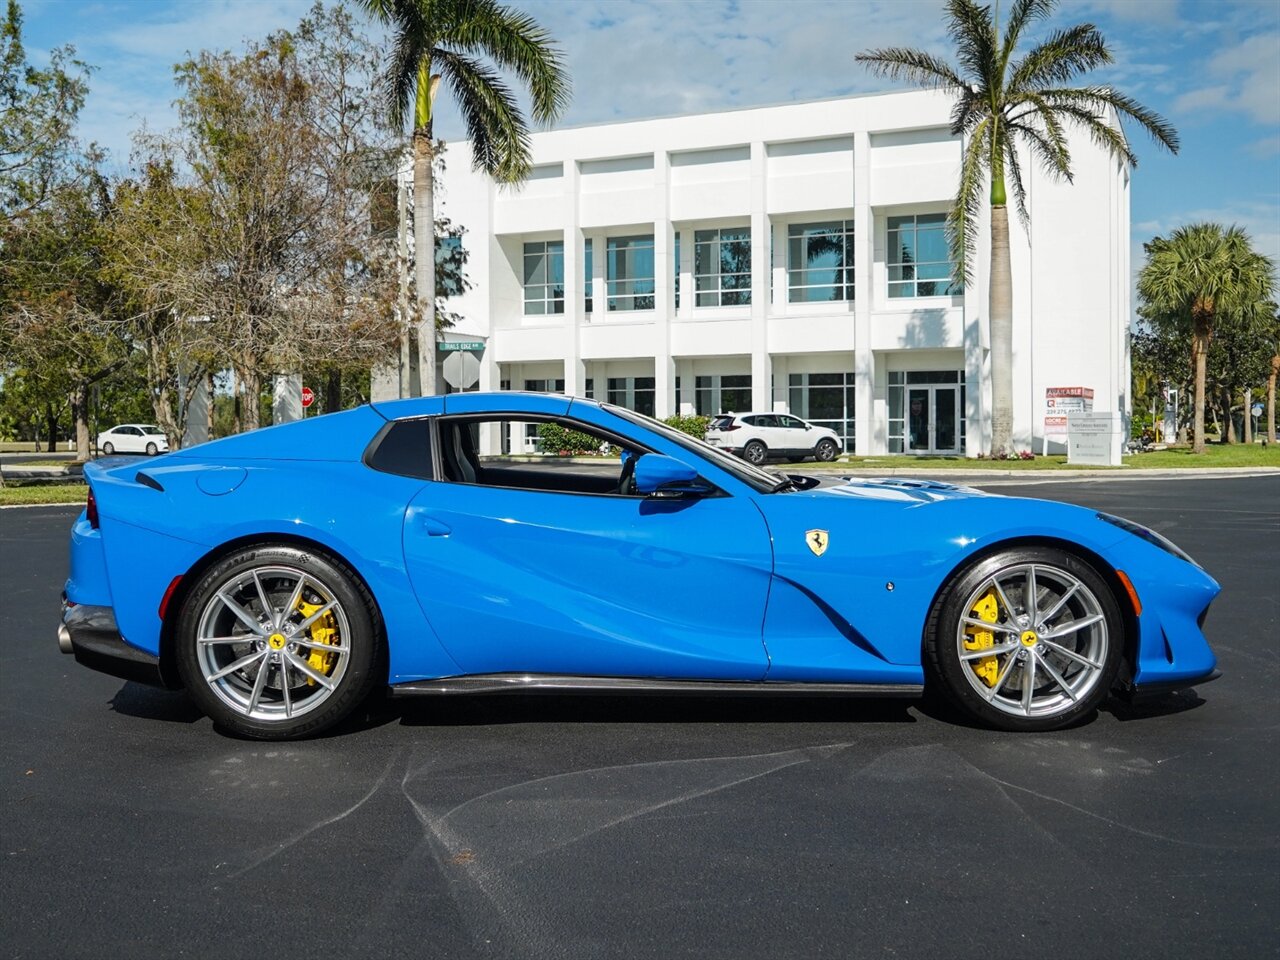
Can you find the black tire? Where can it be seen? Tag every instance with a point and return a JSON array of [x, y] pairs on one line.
[[755, 452], [252, 706], [108, 449], [152, 449], [1064, 687], [825, 451]]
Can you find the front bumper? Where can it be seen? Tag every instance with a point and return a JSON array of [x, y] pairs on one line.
[[90, 634]]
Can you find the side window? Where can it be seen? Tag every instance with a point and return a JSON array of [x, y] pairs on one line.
[[791, 423], [130, 431], [572, 457], [403, 448]]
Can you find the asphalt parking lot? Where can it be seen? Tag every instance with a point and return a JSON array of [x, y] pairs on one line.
[[564, 827]]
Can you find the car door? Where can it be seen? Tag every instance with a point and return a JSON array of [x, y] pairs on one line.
[[128, 440], [524, 580], [793, 437]]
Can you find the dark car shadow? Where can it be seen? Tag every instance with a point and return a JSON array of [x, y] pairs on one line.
[[152, 703], [543, 708], [1165, 705]]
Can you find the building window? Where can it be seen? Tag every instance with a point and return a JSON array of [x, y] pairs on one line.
[[919, 259], [588, 272], [543, 277], [722, 267], [820, 262], [718, 394], [676, 265], [629, 272], [634, 393], [825, 399]]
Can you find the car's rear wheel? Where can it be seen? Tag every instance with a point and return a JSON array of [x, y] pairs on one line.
[[108, 449], [825, 451], [1026, 639], [276, 642], [755, 452]]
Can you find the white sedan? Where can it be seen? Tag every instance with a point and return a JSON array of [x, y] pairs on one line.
[[758, 436], [133, 438]]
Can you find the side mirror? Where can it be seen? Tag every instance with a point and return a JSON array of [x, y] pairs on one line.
[[808, 426], [659, 476]]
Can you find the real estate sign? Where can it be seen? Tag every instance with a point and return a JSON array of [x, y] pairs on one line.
[[1059, 402], [1093, 438]]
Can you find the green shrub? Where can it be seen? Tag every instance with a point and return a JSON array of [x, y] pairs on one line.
[[555, 439], [693, 425]]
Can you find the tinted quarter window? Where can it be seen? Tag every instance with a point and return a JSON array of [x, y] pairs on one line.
[[404, 449]]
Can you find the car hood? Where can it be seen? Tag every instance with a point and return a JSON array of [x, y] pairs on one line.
[[902, 490]]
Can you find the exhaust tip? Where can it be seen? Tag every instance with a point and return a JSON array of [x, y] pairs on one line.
[[64, 639]]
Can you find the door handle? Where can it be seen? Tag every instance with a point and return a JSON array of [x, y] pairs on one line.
[[434, 526]]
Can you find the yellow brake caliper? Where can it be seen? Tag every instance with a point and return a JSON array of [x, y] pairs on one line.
[[323, 630], [987, 609]]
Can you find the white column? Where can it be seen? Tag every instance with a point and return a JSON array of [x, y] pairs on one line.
[[574, 286], [761, 392], [384, 381], [866, 433], [664, 376], [286, 397]]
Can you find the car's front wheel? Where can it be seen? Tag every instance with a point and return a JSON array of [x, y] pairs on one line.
[[755, 452], [1026, 639], [152, 449], [276, 642], [825, 451]]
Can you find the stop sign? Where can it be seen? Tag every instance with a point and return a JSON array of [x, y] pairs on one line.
[[308, 397]]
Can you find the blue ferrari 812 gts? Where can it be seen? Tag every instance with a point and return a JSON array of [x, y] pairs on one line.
[[283, 576]]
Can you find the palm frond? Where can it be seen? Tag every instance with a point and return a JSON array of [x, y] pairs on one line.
[[516, 42], [974, 34], [914, 66], [963, 218], [1013, 175], [1048, 140], [1064, 55], [1094, 100], [1100, 132], [1055, 160], [1024, 13], [497, 131], [400, 81]]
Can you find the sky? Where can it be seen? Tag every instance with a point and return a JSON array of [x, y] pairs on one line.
[[1211, 67]]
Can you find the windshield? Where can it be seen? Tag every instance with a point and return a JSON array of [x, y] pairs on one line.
[[759, 480]]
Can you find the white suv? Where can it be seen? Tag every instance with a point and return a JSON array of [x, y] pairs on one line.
[[758, 436]]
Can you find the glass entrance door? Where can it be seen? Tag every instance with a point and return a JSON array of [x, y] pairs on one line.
[[933, 422]]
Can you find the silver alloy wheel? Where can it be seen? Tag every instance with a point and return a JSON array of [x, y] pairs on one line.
[[826, 451], [1050, 640], [755, 452], [264, 656]]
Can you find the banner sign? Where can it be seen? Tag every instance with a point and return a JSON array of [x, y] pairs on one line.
[[1059, 402]]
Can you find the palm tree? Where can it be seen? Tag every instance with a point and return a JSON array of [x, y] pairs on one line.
[[1199, 275], [1004, 103], [446, 40]]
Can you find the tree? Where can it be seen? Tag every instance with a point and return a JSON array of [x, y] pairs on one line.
[[1198, 275], [38, 110], [445, 40], [1003, 104], [269, 236], [1273, 337], [57, 309]]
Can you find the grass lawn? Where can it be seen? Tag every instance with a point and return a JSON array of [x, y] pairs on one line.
[[1216, 456], [42, 493]]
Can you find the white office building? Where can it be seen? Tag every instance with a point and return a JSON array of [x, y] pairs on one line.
[[789, 258]]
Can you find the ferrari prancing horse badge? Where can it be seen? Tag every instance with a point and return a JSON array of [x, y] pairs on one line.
[[817, 541]]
